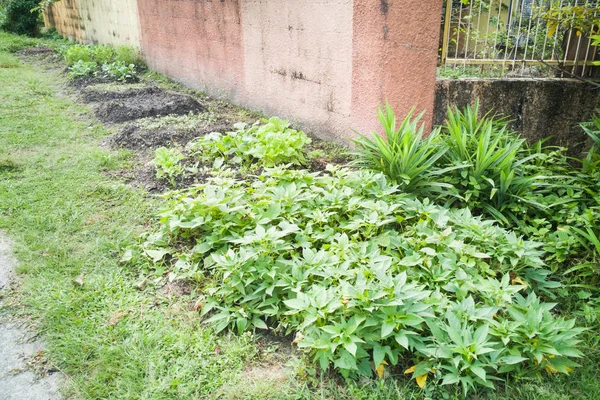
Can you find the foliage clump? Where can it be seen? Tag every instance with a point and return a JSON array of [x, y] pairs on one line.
[[268, 142], [365, 276], [20, 17], [434, 259], [120, 63]]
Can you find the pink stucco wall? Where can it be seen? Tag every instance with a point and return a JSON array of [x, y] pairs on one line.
[[395, 46], [325, 63], [198, 42]]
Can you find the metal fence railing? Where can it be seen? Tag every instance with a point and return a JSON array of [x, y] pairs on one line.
[[522, 37]]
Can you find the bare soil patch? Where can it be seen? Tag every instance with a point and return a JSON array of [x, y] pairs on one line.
[[142, 103], [136, 137]]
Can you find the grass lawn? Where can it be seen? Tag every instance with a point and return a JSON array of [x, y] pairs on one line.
[[116, 331]]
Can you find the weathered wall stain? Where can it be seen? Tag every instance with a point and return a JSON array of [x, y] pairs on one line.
[[65, 16], [394, 58], [96, 21], [537, 108]]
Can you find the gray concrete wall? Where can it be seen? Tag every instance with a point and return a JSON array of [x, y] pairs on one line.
[[538, 108]]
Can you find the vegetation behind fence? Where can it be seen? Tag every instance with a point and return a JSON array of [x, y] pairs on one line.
[[522, 37]]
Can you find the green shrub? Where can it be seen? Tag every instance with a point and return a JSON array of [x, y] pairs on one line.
[[128, 55], [82, 69], [120, 71], [76, 53], [88, 60], [591, 163], [21, 17], [495, 176], [365, 276], [403, 155], [267, 142]]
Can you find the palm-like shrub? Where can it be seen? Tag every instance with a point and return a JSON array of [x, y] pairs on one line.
[[495, 157], [403, 154]]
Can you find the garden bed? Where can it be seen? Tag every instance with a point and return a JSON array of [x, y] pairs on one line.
[[270, 232]]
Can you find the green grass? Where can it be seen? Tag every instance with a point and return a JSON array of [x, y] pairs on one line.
[[69, 220], [113, 337]]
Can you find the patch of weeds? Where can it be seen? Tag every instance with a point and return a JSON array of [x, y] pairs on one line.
[[40, 88], [366, 277], [115, 160], [167, 164], [162, 81], [8, 61], [189, 122], [8, 165], [93, 60], [120, 71], [12, 43], [267, 142]]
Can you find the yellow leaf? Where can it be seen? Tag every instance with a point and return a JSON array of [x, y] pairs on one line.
[[520, 281], [411, 370], [551, 370], [381, 369], [568, 369], [551, 29], [421, 380]]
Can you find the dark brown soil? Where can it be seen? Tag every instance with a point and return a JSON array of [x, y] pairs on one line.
[[134, 137], [142, 103], [91, 95], [36, 50]]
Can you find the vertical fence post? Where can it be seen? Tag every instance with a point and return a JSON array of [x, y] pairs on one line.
[[446, 37]]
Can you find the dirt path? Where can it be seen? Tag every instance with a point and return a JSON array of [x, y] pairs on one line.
[[17, 346]]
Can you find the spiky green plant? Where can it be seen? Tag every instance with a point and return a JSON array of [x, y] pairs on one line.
[[403, 154]]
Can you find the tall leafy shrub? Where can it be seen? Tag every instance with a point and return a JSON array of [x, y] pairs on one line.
[[403, 154], [495, 176], [22, 17]]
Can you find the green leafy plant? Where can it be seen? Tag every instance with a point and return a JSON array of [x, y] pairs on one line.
[[120, 71], [267, 142], [82, 69], [21, 17], [76, 53], [115, 63], [496, 175], [364, 275], [591, 163], [128, 55], [167, 164], [403, 154]]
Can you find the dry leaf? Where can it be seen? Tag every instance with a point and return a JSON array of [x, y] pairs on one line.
[[142, 284], [298, 338], [421, 380], [198, 305], [381, 369], [115, 318], [79, 280], [519, 281], [410, 370]]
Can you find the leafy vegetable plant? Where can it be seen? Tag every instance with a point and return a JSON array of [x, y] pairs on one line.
[[167, 164], [267, 142], [366, 276], [120, 71], [82, 69]]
